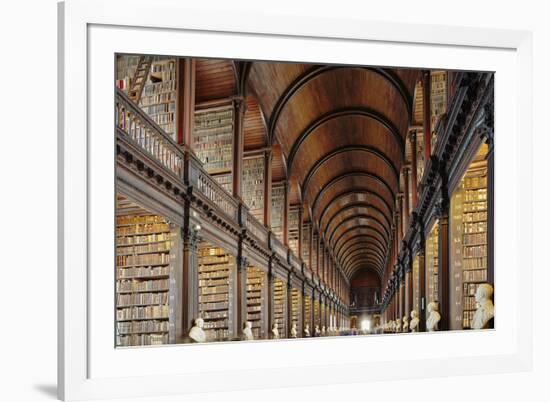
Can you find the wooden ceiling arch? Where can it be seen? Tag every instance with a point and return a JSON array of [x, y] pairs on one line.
[[359, 239], [371, 184], [341, 130], [359, 254], [353, 251], [360, 229], [348, 149], [344, 226], [359, 207], [364, 112], [315, 71], [361, 264]]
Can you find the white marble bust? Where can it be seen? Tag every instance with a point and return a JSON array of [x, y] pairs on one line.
[[485, 309], [398, 325], [323, 330], [413, 326], [247, 331], [293, 331], [317, 331], [196, 333], [275, 330], [405, 327], [433, 317], [306, 331]]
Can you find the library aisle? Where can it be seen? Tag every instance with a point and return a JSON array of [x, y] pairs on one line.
[[262, 200]]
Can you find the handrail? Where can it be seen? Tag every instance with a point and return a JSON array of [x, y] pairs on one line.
[[145, 133], [210, 188]]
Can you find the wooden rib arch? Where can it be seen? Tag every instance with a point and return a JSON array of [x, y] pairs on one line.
[[345, 112]]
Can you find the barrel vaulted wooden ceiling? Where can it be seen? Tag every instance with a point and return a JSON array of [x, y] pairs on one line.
[[338, 134]]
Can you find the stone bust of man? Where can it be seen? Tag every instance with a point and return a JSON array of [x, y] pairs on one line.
[[317, 331], [398, 325], [433, 317], [414, 321], [485, 309], [293, 331], [196, 333], [307, 334], [405, 324], [275, 330], [247, 331]]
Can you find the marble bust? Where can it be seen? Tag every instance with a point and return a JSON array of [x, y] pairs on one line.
[[433, 317], [485, 309], [306, 331], [275, 331], [405, 324], [293, 331], [317, 331], [247, 331], [398, 325], [323, 330], [196, 333], [413, 326]]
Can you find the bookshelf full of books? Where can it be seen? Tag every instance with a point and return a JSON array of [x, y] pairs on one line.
[[293, 229], [438, 100], [279, 305], [323, 312], [215, 289], [277, 209], [255, 300], [432, 265], [307, 313], [126, 66], [253, 185], [416, 284], [305, 243], [296, 308], [213, 142], [469, 241], [144, 265], [158, 98], [315, 241]]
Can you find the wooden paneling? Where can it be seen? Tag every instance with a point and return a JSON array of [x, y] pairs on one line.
[[255, 131], [215, 79]]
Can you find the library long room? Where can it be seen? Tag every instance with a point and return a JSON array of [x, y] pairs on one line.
[[270, 200]]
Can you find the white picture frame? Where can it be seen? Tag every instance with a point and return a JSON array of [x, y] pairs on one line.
[[89, 368]]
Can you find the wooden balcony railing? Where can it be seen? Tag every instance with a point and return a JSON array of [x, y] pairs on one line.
[[145, 133], [253, 226], [199, 178]]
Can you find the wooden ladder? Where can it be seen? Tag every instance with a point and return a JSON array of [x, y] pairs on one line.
[[140, 77]]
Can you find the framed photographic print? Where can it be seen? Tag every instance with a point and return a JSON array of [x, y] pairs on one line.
[[245, 204]]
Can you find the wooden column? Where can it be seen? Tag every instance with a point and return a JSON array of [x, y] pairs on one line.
[[268, 157], [300, 230], [443, 276], [414, 168], [238, 146], [406, 205], [310, 255], [185, 101], [190, 291], [427, 115], [288, 306], [241, 301], [400, 198], [286, 210], [269, 298], [408, 292], [422, 278]]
